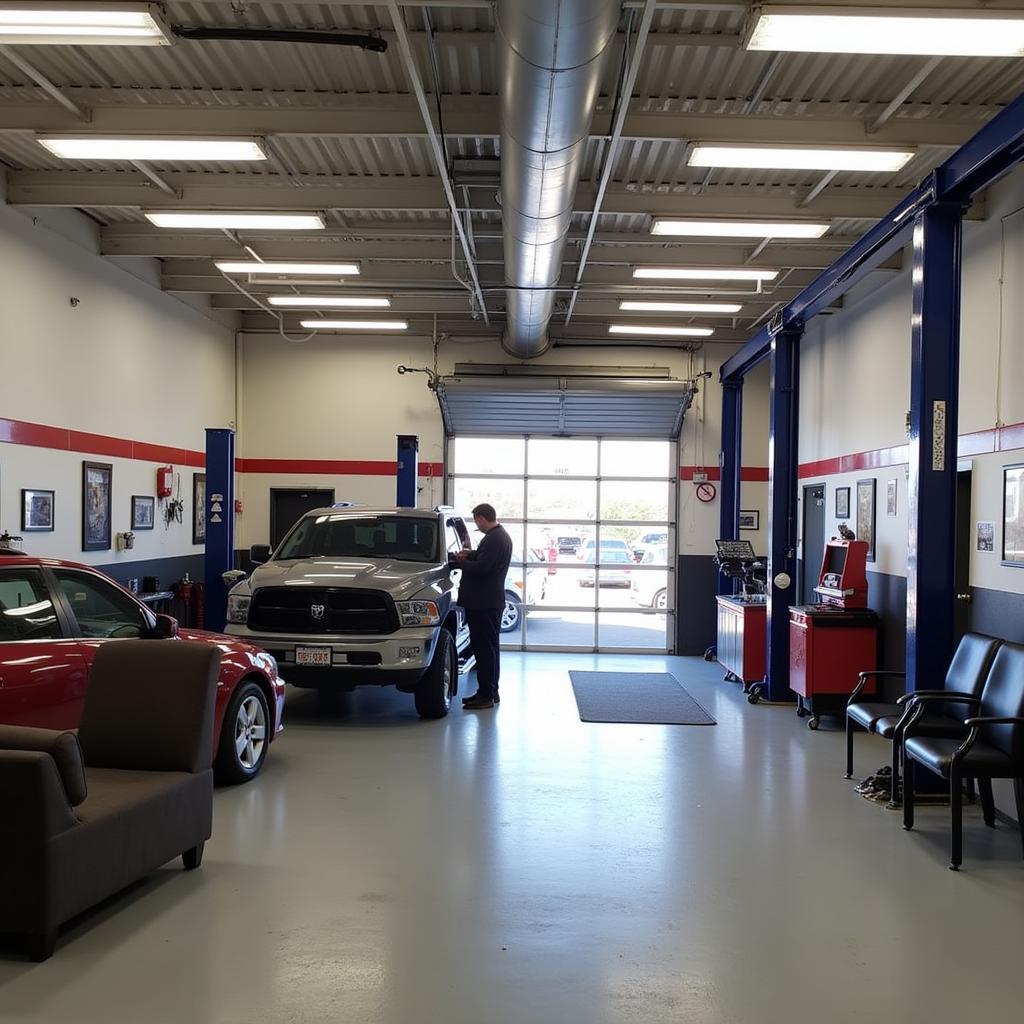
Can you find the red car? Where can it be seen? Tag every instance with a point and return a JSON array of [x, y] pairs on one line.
[[53, 617]]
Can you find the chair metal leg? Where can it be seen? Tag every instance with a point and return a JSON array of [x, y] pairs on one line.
[[897, 768], [1018, 792], [908, 792], [956, 799], [849, 748], [988, 804]]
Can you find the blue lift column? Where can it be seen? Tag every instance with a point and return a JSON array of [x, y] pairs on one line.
[[934, 415], [730, 463], [782, 507], [220, 525], [408, 469]]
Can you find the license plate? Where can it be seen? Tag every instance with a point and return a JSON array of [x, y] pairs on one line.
[[313, 656], [408, 652]]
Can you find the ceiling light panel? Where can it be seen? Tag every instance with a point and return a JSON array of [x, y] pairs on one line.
[[705, 273], [355, 325], [82, 24], [892, 30], [237, 221], [675, 332], [739, 228], [167, 149], [800, 158], [627, 305], [287, 269], [328, 301]]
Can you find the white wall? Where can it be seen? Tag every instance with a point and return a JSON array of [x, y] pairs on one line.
[[126, 362]]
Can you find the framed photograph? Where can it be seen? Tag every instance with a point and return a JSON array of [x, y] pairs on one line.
[[842, 503], [890, 498], [986, 536], [866, 514], [750, 519], [97, 478], [143, 512], [36, 510], [1013, 515], [199, 508]]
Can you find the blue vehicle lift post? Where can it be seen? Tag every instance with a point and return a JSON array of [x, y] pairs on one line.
[[730, 464], [408, 470], [220, 525]]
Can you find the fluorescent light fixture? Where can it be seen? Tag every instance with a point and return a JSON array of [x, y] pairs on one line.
[[78, 24], [705, 273], [315, 301], [949, 33], [287, 269], [740, 228], [91, 147], [238, 221], [676, 332], [800, 158], [679, 307], [355, 325]]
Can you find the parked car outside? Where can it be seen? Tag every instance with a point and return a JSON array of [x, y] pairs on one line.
[[646, 540], [587, 552], [523, 585], [55, 615], [650, 587], [569, 545], [614, 571]]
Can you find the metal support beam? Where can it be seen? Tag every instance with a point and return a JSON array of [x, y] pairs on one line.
[[783, 468], [51, 90], [407, 470], [436, 148], [901, 97], [220, 524], [730, 464], [934, 400]]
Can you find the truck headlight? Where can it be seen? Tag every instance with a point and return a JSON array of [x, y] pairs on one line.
[[418, 613], [238, 607]]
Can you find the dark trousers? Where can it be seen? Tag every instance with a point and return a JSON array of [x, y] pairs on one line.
[[483, 638]]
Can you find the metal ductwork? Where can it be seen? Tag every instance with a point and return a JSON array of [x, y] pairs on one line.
[[551, 56]]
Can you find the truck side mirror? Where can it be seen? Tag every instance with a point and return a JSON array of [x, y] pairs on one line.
[[259, 553]]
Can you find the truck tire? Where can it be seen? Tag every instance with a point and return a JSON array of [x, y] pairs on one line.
[[436, 689]]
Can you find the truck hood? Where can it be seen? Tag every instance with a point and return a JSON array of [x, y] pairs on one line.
[[402, 580]]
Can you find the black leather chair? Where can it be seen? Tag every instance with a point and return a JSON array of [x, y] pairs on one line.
[[992, 749], [966, 674]]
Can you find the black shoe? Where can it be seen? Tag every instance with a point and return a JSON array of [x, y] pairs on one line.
[[476, 703], [479, 696]]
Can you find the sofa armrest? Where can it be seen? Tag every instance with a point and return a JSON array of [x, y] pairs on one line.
[[35, 805]]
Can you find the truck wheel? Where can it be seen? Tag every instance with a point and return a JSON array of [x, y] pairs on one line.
[[660, 600], [434, 693], [511, 614], [243, 736]]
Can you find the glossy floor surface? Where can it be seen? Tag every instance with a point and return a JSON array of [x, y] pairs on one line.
[[521, 866]]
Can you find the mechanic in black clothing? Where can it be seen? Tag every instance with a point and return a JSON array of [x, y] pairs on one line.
[[482, 594]]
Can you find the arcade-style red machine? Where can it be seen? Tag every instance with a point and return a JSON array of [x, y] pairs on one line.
[[833, 641]]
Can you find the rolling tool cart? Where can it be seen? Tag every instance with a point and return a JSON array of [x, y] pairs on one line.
[[832, 642], [742, 616]]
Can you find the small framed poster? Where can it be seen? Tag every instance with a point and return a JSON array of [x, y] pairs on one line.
[[842, 503], [890, 498], [97, 479], [750, 519], [143, 512], [986, 536], [36, 510], [866, 514], [199, 508]]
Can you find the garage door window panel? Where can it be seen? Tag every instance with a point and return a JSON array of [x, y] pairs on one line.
[[561, 499], [560, 457], [505, 494], [489, 456]]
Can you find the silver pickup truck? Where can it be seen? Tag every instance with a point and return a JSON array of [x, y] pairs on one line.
[[358, 596]]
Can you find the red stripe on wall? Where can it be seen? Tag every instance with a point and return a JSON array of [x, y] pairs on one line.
[[333, 467], [33, 434], [749, 474]]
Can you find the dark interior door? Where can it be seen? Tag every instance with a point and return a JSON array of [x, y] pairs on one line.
[[962, 571], [814, 541], [287, 505]]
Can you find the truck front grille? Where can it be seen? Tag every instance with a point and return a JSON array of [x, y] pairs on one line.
[[319, 610]]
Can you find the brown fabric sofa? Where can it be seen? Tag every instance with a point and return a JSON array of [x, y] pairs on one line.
[[86, 815]]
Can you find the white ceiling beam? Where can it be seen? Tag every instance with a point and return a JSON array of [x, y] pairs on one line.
[[388, 116], [259, 192]]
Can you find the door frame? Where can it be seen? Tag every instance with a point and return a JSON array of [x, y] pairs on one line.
[[292, 490], [803, 530]]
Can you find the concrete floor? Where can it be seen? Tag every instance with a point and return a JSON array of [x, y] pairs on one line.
[[521, 866]]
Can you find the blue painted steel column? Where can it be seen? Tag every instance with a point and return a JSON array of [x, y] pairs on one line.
[[408, 469], [783, 470], [220, 524], [730, 463], [934, 393]]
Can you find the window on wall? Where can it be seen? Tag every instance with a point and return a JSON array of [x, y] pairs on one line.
[[593, 525]]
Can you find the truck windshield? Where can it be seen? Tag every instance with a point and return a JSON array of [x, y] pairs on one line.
[[405, 538]]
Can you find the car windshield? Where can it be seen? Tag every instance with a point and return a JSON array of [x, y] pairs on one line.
[[613, 555], [406, 538]]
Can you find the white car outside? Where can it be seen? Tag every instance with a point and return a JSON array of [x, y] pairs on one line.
[[649, 587]]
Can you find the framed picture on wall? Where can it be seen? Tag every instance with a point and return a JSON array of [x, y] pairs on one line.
[[750, 519], [143, 512], [36, 510], [97, 479], [199, 508], [1013, 515], [866, 514], [890, 497], [842, 503]]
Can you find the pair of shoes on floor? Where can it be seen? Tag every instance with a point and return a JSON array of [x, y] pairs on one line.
[[874, 784], [478, 703], [479, 696]]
